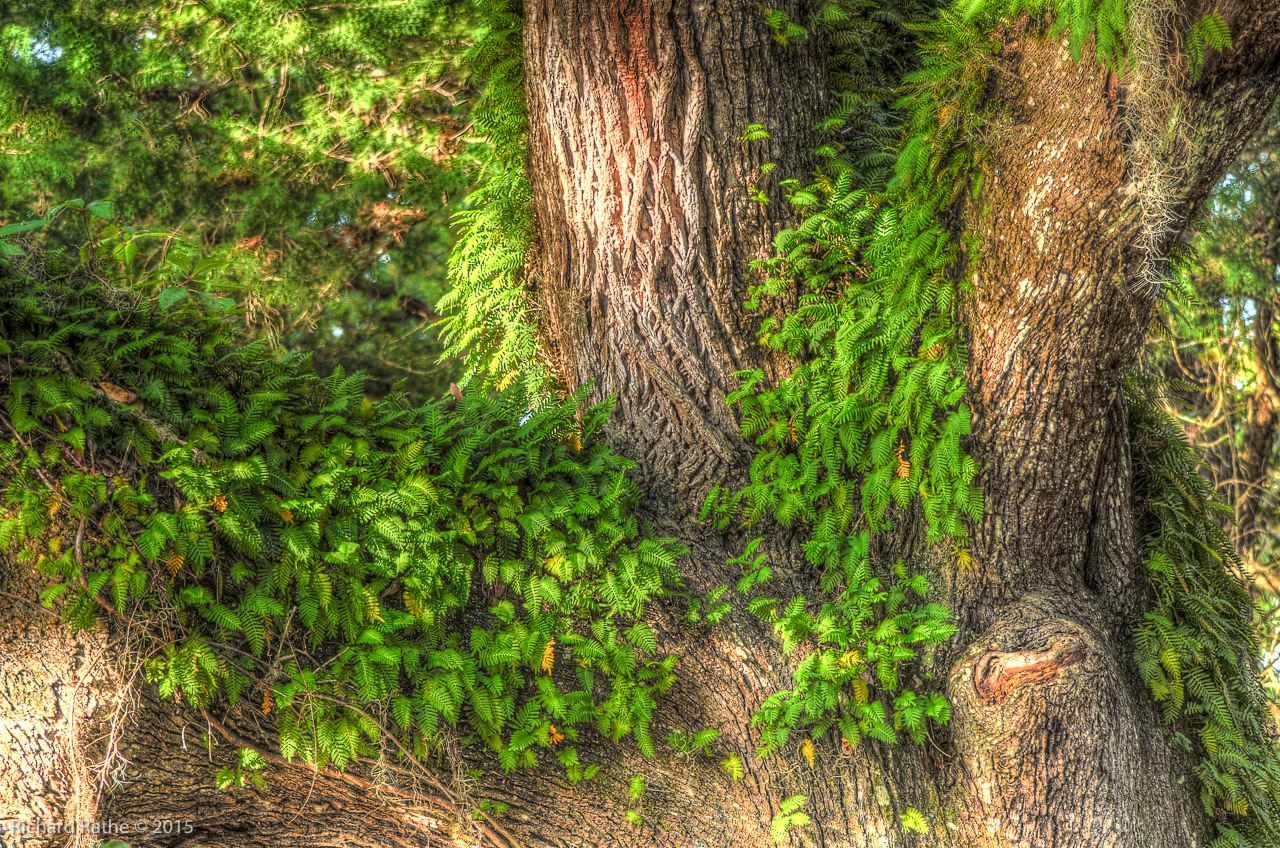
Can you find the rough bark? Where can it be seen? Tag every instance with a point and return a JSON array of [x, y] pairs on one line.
[[646, 227], [645, 239], [59, 696], [1076, 217]]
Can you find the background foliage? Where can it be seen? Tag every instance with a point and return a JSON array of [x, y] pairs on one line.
[[316, 151], [1218, 353]]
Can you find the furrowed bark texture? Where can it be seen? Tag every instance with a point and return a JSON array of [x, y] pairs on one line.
[[1079, 212], [647, 230], [645, 237]]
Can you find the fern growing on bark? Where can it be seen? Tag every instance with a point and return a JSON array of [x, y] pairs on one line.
[[874, 408], [377, 571], [361, 569]]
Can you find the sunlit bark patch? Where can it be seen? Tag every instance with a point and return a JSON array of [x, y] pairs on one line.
[[998, 675]]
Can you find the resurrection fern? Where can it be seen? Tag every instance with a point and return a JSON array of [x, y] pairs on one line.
[[871, 419], [1208, 33], [489, 322], [372, 573], [1106, 20], [376, 574], [788, 816], [1197, 649]]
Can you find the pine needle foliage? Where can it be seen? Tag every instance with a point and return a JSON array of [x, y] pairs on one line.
[[317, 150], [369, 571]]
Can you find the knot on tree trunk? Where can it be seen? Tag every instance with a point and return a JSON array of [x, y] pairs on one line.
[[1039, 656], [999, 674], [1046, 719], [1033, 641]]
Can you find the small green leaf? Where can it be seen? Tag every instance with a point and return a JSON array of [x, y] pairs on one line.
[[22, 226], [913, 819], [169, 297], [793, 803]]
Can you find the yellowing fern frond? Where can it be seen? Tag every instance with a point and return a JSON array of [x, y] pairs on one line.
[[549, 656]]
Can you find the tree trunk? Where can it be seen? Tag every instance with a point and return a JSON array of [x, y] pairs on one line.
[[59, 695], [646, 225], [645, 238]]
